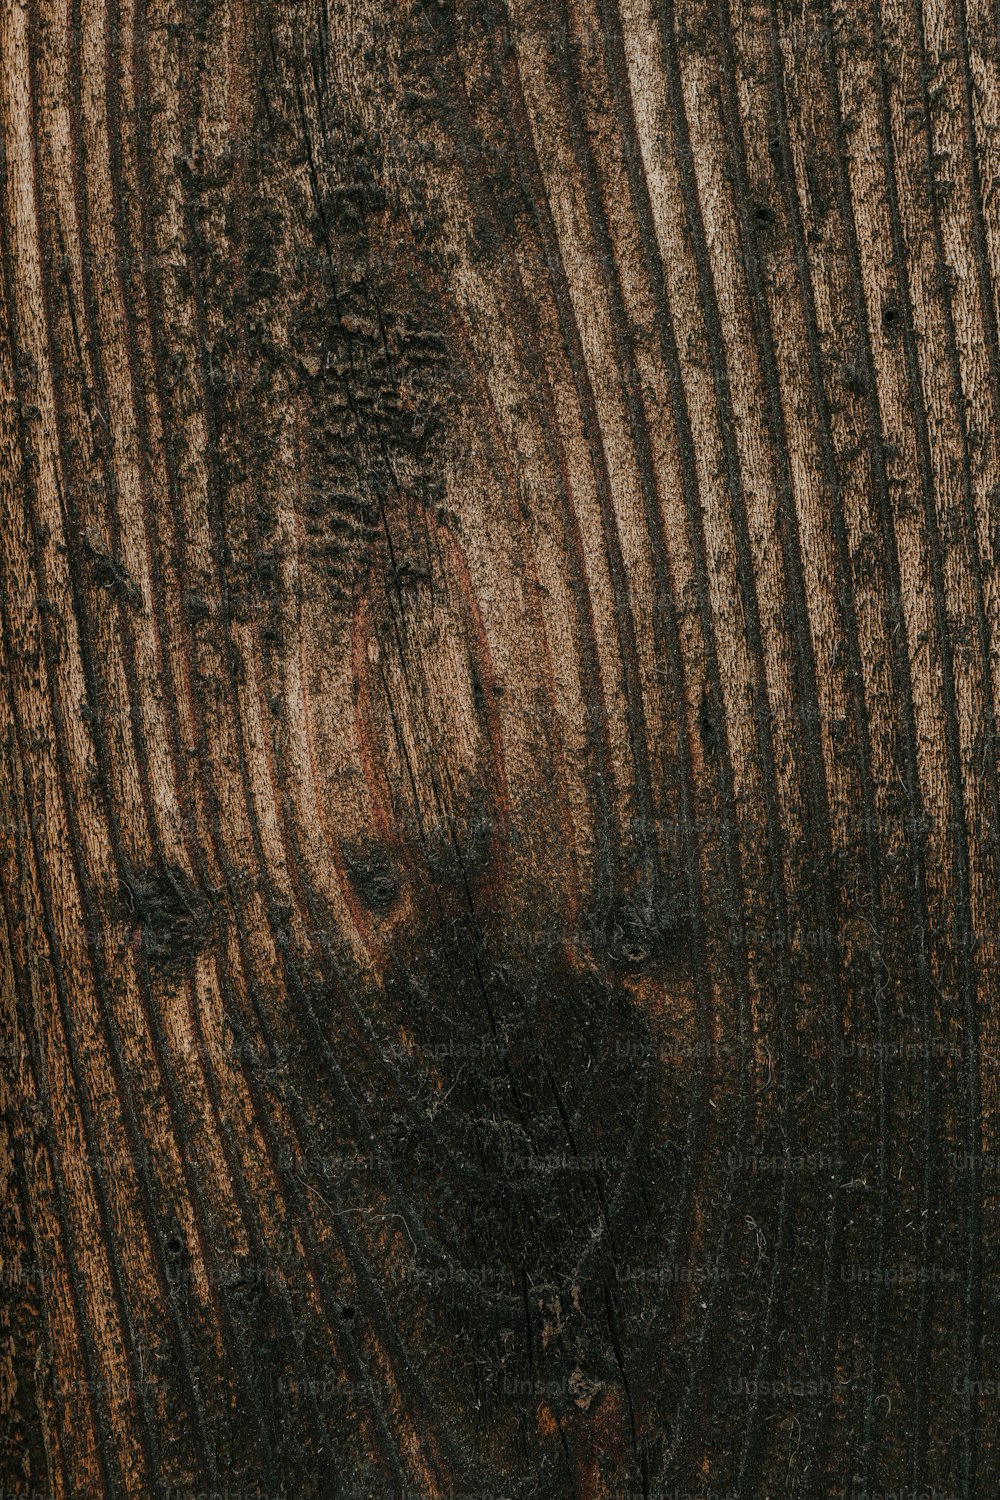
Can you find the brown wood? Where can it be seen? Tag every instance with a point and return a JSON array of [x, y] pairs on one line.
[[500, 512]]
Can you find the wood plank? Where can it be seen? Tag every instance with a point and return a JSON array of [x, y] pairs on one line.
[[498, 758]]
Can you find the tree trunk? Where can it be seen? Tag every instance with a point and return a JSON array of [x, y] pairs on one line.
[[498, 756]]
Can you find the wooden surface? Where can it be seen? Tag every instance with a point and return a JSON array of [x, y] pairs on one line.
[[500, 512]]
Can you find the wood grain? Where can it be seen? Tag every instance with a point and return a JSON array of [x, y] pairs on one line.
[[498, 748]]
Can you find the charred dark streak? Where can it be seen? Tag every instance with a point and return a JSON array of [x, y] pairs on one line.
[[174, 917]]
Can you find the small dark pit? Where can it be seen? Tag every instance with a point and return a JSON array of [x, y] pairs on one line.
[[376, 881], [646, 931]]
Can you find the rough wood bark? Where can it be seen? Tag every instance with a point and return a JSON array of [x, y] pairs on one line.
[[498, 753]]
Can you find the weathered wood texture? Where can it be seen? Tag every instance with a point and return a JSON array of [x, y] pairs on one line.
[[500, 571]]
